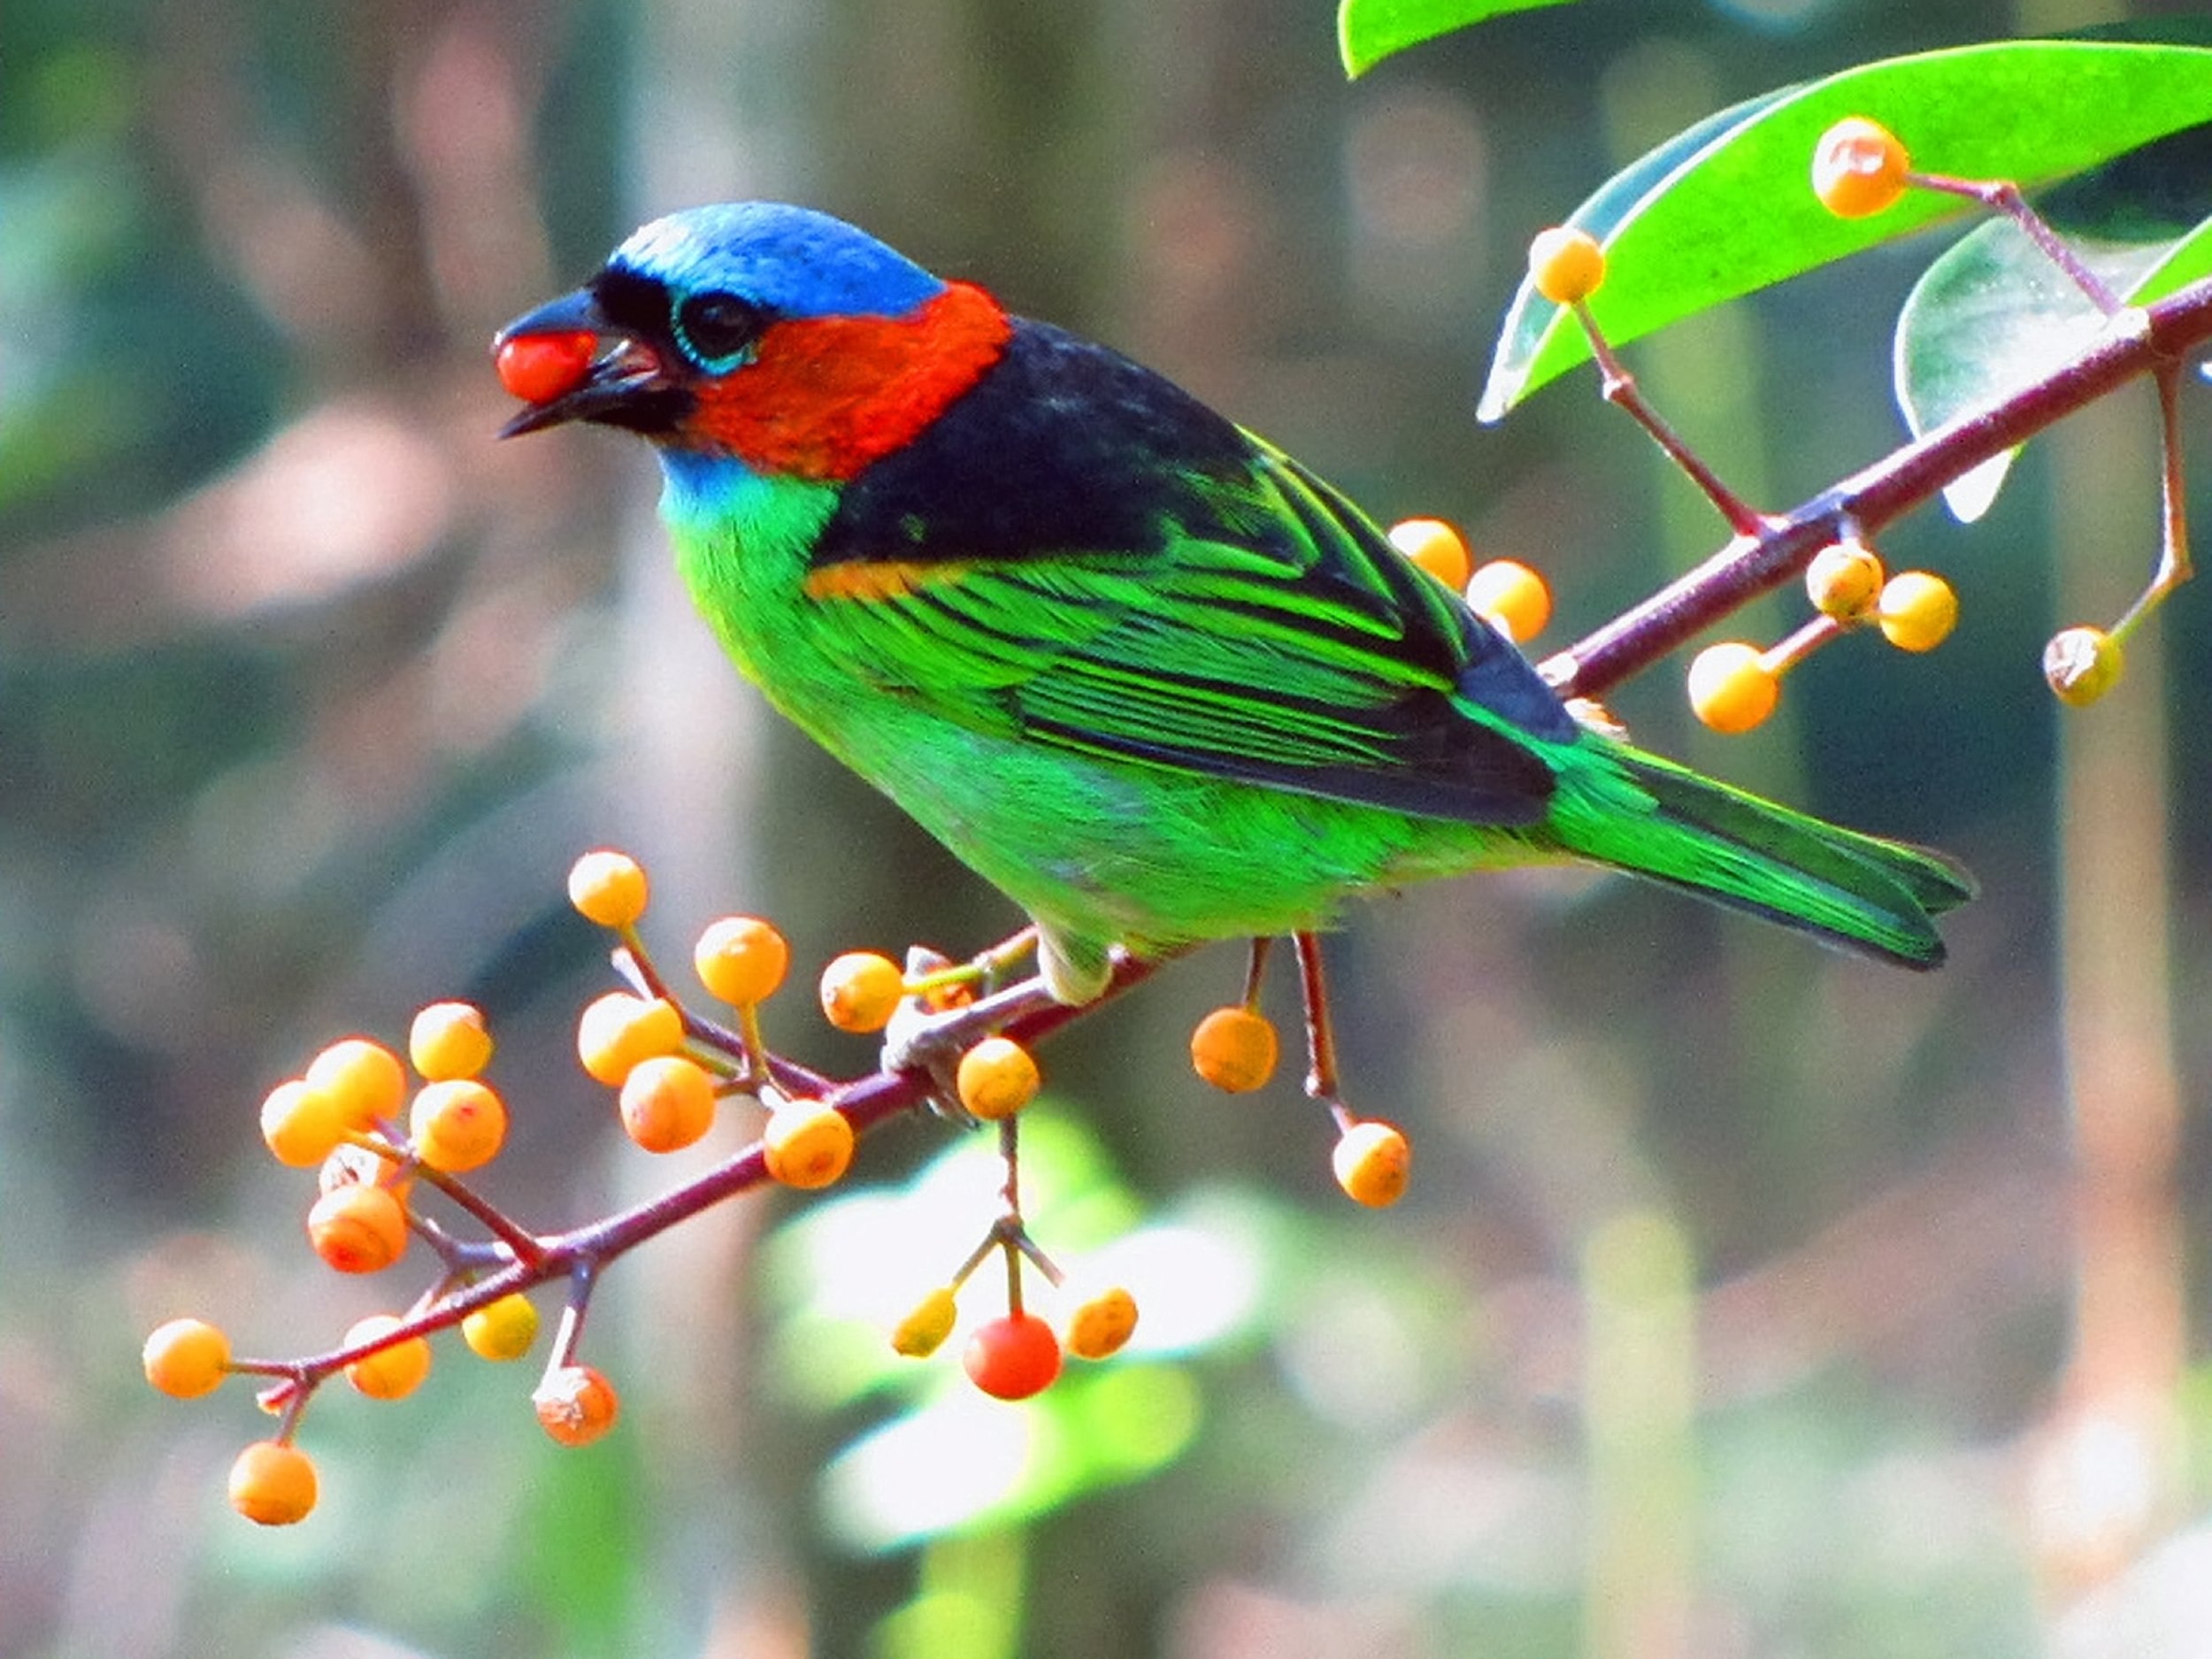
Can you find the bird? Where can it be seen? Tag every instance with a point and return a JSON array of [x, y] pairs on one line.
[[1138, 668]]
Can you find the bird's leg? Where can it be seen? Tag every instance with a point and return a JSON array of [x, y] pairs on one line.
[[1313, 989]]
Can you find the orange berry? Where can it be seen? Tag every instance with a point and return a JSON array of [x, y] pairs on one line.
[[1235, 1048], [2082, 664], [807, 1144], [357, 1229], [302, 1126], [667, 1102], [923, 1332], [363, 1077], [1013, 1357], [576, 1404], [742, 959], [502, 1330], [186, 1358], [1437, 547], [1916, 609], [1731, 688], [1511, 598], [457, 1125], [617, 1030], [390, 1373], [861, 990], [997, 1077], [449, 1041], [1566, 264], [1844, 578], [272, 1483], [1102, 1324], [608, 888], [1858, 168], [1373, 1161]]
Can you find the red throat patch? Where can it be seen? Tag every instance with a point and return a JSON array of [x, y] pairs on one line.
[[826, 395]]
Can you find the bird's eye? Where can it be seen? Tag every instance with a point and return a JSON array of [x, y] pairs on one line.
[[718, 327]]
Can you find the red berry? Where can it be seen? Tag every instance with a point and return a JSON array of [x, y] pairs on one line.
[[1014, 1357], [538, 368]]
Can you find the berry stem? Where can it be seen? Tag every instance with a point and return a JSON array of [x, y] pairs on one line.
[[2002, 196], [2174, 565], [1256, 968], [1313, 988]]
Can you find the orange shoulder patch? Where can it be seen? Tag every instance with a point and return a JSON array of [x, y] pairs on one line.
[[871, 580]]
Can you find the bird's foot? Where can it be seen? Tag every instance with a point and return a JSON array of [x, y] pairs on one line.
[[952, 1006]]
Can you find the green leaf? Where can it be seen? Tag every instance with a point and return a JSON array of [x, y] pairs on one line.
[[1368, 31], [1725, 208], [1995, 314]]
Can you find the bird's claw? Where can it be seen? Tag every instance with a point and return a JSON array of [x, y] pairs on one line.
[[930, 1040]]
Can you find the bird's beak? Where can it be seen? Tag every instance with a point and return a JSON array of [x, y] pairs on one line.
[[627, 385]]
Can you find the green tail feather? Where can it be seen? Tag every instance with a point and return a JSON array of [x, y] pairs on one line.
[[1868, 895]]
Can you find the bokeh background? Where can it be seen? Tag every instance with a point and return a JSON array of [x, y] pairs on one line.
[[1750, 1300]]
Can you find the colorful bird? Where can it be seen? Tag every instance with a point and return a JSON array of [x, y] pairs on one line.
[[1138, 668]]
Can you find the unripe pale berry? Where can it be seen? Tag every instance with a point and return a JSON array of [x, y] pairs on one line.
[[1013, 1357], [861, 991], [742, 959], [997, 1077], [807, 1145], [502, 1330], [1373, 1161], [1731, 688], [1858, 168], [1844, 578], [1511, 598], [186, 1358], [667, 1102], [1102, 1324], [538, 368], [924, 1330], [363, 1077], [1437, 547], [1916, 609], [390, 1373], [357, 1229], [1566, 264], [2083, 663], [302, 1126], [609, 888], [272, 1483], [449, 1041], [575, 1404], [617, 1030], [1235, 1048], [457, 1125], [356, 1165]]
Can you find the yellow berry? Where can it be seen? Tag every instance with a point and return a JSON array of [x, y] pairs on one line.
[[608, 888], [1844, 578], [576, 1404], [364, 1079], [667, 1102], [1731, 688], [1858, 168], [457, 1125], [390, 1373], [302, 1126], [923, 1332], [272, 1483], [1511, 598], [357, 1229], [1917, 610], [449, 1041], [1566, 264], [1373, 1161], [617, 1030], [742, 959], [807, 1144], [502, 1330], [2082, 664], [1437, 547], [861, 990], [1235, 1048], [186, 1358], [1102, 1324], [997, 1077]]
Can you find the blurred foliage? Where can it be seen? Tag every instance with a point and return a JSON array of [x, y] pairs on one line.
[[1735, 1309]]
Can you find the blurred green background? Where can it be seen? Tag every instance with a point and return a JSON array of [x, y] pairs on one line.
[[1750, 1300]]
